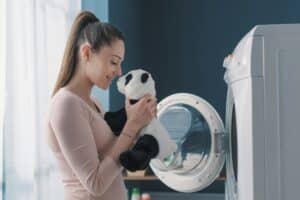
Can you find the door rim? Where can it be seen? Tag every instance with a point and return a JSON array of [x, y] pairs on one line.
[[202, 178]]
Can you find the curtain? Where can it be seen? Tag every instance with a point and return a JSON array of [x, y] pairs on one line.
[[2, 75], [35, 37]]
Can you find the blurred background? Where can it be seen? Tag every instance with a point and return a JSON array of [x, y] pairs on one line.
[[181, 42]]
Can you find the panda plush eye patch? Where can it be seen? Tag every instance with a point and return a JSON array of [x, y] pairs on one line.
[[144, 77], [128, 78]]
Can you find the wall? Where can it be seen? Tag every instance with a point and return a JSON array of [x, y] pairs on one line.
[[183, 43]]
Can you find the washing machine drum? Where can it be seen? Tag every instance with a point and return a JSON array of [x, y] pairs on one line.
[[199, 133]]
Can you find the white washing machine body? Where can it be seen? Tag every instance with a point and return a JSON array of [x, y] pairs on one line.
[[259, 141]]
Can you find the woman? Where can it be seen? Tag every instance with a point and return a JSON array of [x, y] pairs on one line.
[[86, 150]]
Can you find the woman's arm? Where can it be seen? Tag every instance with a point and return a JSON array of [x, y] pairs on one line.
[[70, 123]]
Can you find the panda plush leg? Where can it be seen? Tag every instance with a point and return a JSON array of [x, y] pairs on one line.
[[139, 157], [134, 160]]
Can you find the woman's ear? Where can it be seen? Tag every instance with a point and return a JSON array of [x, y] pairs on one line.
[[85, 52]]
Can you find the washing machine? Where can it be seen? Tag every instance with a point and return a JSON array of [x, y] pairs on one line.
[[259, 140]]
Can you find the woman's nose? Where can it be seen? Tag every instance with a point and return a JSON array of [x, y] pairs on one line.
[[119, 71]]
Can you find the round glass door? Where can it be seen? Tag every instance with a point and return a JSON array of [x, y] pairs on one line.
[[199, 133]]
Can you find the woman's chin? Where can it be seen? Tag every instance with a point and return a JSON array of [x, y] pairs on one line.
[[102, 86], [105, 88]]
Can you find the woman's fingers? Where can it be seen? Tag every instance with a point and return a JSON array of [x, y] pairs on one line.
[[154, 112], [147, 104], [153, 106]]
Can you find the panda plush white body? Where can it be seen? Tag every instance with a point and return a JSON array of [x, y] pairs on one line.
[[134, 85]]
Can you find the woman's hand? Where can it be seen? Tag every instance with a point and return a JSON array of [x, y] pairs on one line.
[[142, 112], [138, 115]]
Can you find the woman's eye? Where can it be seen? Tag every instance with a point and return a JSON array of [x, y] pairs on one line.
[[114, 63]]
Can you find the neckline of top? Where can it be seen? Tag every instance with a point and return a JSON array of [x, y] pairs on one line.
[[84, 102]]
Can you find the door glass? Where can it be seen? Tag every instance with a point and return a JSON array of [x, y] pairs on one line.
[[234, 143], [191, 132]]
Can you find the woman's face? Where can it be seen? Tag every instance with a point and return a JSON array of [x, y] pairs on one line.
[[104, 65]]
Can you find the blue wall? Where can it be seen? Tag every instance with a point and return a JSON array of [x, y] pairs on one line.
[[183, 42]]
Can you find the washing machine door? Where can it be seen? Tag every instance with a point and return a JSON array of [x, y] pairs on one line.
[[199, 133]]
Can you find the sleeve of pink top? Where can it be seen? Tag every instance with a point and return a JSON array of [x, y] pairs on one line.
[[70, 123]]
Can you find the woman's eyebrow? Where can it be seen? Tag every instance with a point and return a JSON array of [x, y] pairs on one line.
[[117, 56]]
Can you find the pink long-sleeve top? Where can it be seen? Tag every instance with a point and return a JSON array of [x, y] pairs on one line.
[[80, 139]]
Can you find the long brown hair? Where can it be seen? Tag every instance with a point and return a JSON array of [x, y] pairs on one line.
[[86, 28]]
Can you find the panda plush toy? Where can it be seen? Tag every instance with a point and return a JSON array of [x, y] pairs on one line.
[[154, 141]]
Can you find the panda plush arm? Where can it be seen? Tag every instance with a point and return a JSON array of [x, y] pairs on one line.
[[116, 120]]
